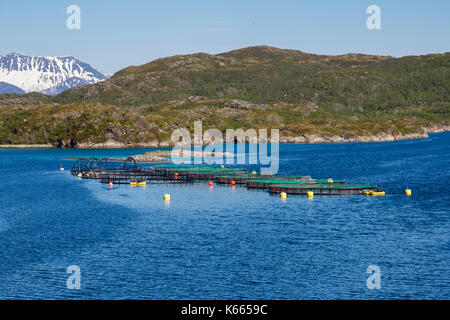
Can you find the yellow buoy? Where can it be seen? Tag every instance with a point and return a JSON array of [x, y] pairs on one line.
[[141, 184], [253, 172], [167, 197], [283, 195], [374, 193], [330, 180], [62, 169], [222, 166], [310, 194], [408, 192], [80, 175]]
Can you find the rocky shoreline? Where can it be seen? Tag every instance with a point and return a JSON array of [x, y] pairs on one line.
[[26, 146], [320, 139], [317, 138]]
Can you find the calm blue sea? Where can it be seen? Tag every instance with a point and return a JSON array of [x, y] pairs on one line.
[[225, 243]]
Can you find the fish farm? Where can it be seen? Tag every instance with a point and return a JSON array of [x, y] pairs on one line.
[[129, 172]]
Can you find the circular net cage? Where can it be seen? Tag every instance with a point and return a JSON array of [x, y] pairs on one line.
[[80, 166], [95, 164], [106, 164], [130, 164]]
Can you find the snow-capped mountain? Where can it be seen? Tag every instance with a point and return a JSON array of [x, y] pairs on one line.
[[69, 83], [50, 75]]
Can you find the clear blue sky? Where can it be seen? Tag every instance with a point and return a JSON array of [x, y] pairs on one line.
[[116, 34]]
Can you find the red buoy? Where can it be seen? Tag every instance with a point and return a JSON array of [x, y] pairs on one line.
[[233, 183], [176, 175], [210, 184], [110, 185], [151, 168]]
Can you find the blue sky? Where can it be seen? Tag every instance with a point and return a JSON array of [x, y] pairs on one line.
[[116, 34]]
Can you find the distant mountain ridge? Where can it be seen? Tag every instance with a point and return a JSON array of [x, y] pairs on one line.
[[50, 75], [266, 75]]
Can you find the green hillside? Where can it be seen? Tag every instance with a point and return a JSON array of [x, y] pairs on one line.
[[348, 96]]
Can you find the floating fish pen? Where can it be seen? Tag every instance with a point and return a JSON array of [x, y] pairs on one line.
[[266, 183], [211, 173], [201, 169], [153, 179], [94, 165], [141, 176], [329, 189], [238, 179], [122, 172], [173, 168], [245, 178]]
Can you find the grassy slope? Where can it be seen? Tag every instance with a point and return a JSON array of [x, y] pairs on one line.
[[300, 93]]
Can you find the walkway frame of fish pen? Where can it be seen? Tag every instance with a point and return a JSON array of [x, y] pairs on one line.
[[349, 189], [142, 176], [202, 173]]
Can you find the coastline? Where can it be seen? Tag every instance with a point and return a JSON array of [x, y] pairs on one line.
[[318, 138], [26, 146]]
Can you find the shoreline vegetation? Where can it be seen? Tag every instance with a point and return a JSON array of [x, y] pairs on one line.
[[307, 138], [309, 98], [316, 139]]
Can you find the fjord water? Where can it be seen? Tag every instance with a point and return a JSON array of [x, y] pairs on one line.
[[225, 243]]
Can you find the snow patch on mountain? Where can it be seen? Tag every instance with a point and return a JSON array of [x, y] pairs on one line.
[[69, 83], [50, 75]]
